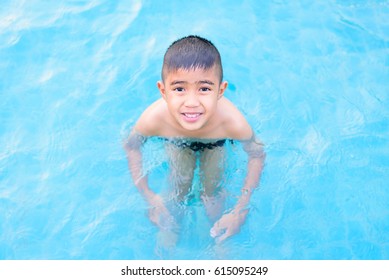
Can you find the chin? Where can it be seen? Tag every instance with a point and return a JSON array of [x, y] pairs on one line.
[[191, 127]]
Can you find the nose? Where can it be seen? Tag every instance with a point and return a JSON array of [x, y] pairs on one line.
[[192, 100]]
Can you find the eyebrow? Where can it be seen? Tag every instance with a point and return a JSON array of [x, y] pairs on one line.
[[178, 82], [205, 82]]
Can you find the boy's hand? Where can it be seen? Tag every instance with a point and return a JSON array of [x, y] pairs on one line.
[[160, 215], [228, 225]]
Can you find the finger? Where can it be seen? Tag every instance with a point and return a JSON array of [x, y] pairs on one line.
[[161, 220], [213, 232], [216, 230], [223, 237]]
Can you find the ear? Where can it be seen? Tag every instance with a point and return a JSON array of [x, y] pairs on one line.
[[161, 88], [222, 88]]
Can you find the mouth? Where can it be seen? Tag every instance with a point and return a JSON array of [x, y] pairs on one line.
[[191, 117]]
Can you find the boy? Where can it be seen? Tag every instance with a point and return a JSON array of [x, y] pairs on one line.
[[195, 119]]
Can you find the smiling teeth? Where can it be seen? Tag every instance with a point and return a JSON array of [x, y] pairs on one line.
[[192, 115]]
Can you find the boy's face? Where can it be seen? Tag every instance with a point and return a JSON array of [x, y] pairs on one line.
[[192, 96]]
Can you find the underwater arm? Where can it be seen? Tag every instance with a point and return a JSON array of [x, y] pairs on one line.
[[158, 213], [256, 159], [230, 223], [134, 156]]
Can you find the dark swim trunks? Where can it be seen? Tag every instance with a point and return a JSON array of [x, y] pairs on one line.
[[196, 145], [199, 146]]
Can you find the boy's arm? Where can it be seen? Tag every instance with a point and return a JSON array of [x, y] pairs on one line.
[[133, 147], [256, 159], [158, 213], [230, 223], [144, 127]]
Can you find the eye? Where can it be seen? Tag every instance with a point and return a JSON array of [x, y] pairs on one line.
[[179, 89], [205, 89]]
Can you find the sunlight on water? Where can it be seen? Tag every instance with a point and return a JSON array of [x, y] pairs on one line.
[[311, 78]]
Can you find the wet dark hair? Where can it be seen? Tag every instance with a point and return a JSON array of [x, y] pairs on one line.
[[190, 53]]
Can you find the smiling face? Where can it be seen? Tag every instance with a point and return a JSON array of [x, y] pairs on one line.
[[192, 96]]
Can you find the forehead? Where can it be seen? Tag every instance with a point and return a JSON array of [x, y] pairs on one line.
[[193, 74]]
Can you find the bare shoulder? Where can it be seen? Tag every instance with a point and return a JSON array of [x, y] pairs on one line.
[[149, 122], [235, 123]]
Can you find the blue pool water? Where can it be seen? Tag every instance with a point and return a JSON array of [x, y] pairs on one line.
[[312, 78]]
